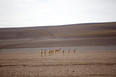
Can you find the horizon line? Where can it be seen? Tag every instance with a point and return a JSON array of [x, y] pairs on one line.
[[59, 25]]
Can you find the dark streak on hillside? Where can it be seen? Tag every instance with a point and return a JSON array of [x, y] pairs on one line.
[[59, 36], [48, 32]]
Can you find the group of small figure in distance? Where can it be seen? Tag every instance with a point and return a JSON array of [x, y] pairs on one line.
[[51, 52]]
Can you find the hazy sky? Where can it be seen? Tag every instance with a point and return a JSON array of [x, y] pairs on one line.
[[23, 13]]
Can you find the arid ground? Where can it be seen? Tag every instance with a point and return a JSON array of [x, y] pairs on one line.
[[31, 64], [95, 54]]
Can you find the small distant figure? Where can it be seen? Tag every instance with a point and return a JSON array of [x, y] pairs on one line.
[[57, 50], [41, 53], [52, 51], [74, 51], [49, 52], [63, 51], [45, 52], [68, 51]]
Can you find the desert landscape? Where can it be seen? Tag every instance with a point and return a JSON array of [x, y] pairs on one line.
[[95, 54]]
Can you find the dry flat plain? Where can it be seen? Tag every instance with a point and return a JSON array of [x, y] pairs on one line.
[[31, 64], [95, 54]]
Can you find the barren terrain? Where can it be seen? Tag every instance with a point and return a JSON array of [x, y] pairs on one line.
[[59, 36], [95, 54], [93, 64]]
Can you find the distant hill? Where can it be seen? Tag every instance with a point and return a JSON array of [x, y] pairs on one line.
[[64, 31], [100, 34]]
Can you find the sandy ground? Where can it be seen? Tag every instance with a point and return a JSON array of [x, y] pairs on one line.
[[95, 55], [78, 64]]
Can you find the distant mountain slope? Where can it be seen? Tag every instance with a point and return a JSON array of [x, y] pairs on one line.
[[72, 31], [103, 34]]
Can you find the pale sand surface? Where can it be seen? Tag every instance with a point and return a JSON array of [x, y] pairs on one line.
[[80, 64]]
